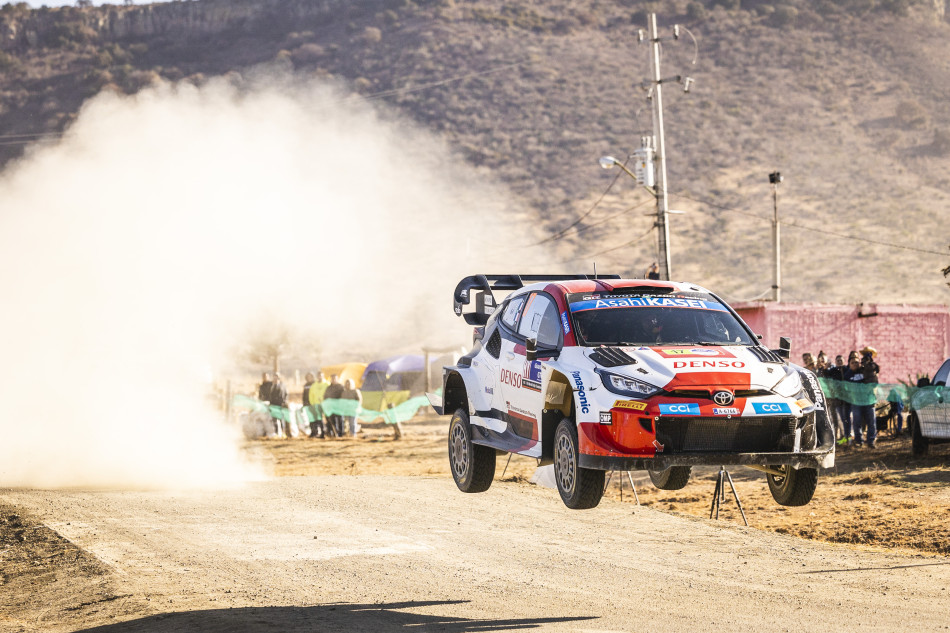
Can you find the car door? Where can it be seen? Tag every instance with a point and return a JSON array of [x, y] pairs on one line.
[[522, 384]]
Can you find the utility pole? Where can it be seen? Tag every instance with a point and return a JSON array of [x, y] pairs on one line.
[[774, 179], [662, 203]]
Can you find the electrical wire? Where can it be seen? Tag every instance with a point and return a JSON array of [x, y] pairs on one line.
[[609, 250], [441, 82], [561, 233], [808, 228]]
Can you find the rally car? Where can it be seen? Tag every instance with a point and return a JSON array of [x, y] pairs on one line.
[[595, 374]]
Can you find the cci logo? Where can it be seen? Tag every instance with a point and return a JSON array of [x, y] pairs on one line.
[[685, 408], [770, 407]]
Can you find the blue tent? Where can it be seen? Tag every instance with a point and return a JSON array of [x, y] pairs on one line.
[[396, 373]]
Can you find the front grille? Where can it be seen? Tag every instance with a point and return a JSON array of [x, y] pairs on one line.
[[731, 435]]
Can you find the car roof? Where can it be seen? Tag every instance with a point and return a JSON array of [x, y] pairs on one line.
[[571, 286]]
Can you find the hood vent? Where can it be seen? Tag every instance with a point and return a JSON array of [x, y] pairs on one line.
[[611, 357], [766, 355]]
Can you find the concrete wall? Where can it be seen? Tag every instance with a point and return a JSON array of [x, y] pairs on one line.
[[909, 339]]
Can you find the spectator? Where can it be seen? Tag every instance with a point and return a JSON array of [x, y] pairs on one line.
[[808, 361], [864, 372], [653, 272], [317, 390], [333, 392], [309, 379], [840, 409], [263, 392], [350, 392], [278, 398]]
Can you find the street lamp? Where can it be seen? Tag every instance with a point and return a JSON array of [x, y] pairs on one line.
[[775, 179]]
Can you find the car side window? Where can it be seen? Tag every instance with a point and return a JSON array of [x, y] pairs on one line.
[[940, 378], [510, 317], [540, 321]]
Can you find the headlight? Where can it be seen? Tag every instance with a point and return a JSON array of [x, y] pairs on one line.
[[790, 386], [627, 386]]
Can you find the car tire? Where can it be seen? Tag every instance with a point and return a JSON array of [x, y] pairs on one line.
[[919, 444], [673, 478], [580, 488], [472, 465], [795, 487]]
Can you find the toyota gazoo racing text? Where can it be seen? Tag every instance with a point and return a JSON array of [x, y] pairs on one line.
[[600, 374]]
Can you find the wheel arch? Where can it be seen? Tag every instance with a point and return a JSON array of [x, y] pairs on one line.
[[454, 394], [558, 404]]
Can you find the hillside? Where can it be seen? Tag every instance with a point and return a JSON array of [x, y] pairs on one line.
[[847, 98]]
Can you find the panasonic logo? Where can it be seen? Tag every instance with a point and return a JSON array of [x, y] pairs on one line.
[[581, 394]]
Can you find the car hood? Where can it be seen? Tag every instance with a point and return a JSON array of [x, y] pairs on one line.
[[672, 366]]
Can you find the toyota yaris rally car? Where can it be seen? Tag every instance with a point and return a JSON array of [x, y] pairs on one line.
[[598, 374]]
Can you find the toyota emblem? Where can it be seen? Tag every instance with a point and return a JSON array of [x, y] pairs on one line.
[[722, 398]]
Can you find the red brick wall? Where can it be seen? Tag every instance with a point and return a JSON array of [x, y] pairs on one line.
[[909, 339]]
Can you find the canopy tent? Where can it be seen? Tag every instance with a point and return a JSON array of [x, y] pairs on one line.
[[393, 380], [346, 370]]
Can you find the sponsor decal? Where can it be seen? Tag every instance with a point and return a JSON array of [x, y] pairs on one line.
[[692, 352], [606, 417], [804, 403], [708, 364], [725, 411], [581, 394], [816, 391], [680, 408], [529, 378], [723, 398], [634, 405], [509, 377], [521, 413], [764, 408], [645, 302], [565, 323], [490, 390]]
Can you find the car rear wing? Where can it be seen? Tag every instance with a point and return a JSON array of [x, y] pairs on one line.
[[482, 285]]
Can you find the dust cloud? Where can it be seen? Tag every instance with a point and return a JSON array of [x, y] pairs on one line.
[[141, 248]]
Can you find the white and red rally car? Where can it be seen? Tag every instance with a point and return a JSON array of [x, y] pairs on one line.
[[598, 374]]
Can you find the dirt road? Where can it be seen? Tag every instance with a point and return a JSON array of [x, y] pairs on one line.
[[383, 553]]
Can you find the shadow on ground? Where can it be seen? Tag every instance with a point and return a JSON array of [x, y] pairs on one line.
[[381, 618]]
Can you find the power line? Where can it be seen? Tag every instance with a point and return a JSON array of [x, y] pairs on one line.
[[441, 82], [809, 228], [561, 233], [610, 250]]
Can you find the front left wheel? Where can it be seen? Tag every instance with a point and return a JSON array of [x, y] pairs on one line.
[[580, 488], [794, 486], [473, 465]]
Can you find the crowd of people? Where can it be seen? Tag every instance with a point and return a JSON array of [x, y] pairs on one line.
[[320, 399], [851, 400]]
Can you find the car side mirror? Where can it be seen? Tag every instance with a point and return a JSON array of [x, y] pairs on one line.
[[531, 349], [784, 347]]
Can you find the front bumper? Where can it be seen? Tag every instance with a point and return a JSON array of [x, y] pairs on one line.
[[823, 458]]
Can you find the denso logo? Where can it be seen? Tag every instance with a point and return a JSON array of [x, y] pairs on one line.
[[708, 364], [581, 394], [510, 378]]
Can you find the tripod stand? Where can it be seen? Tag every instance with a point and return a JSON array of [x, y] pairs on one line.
[[719, 494]]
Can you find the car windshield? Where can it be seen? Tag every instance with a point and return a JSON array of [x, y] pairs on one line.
[[675, 319]]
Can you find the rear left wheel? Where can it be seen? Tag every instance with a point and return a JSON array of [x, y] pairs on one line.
[[580, 488]]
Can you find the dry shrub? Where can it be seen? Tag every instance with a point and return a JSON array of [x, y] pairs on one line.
[[911, 115], [371, 35], [307, 54]]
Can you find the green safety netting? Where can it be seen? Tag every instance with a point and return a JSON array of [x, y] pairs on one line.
[[347, 408], [865, 394]]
